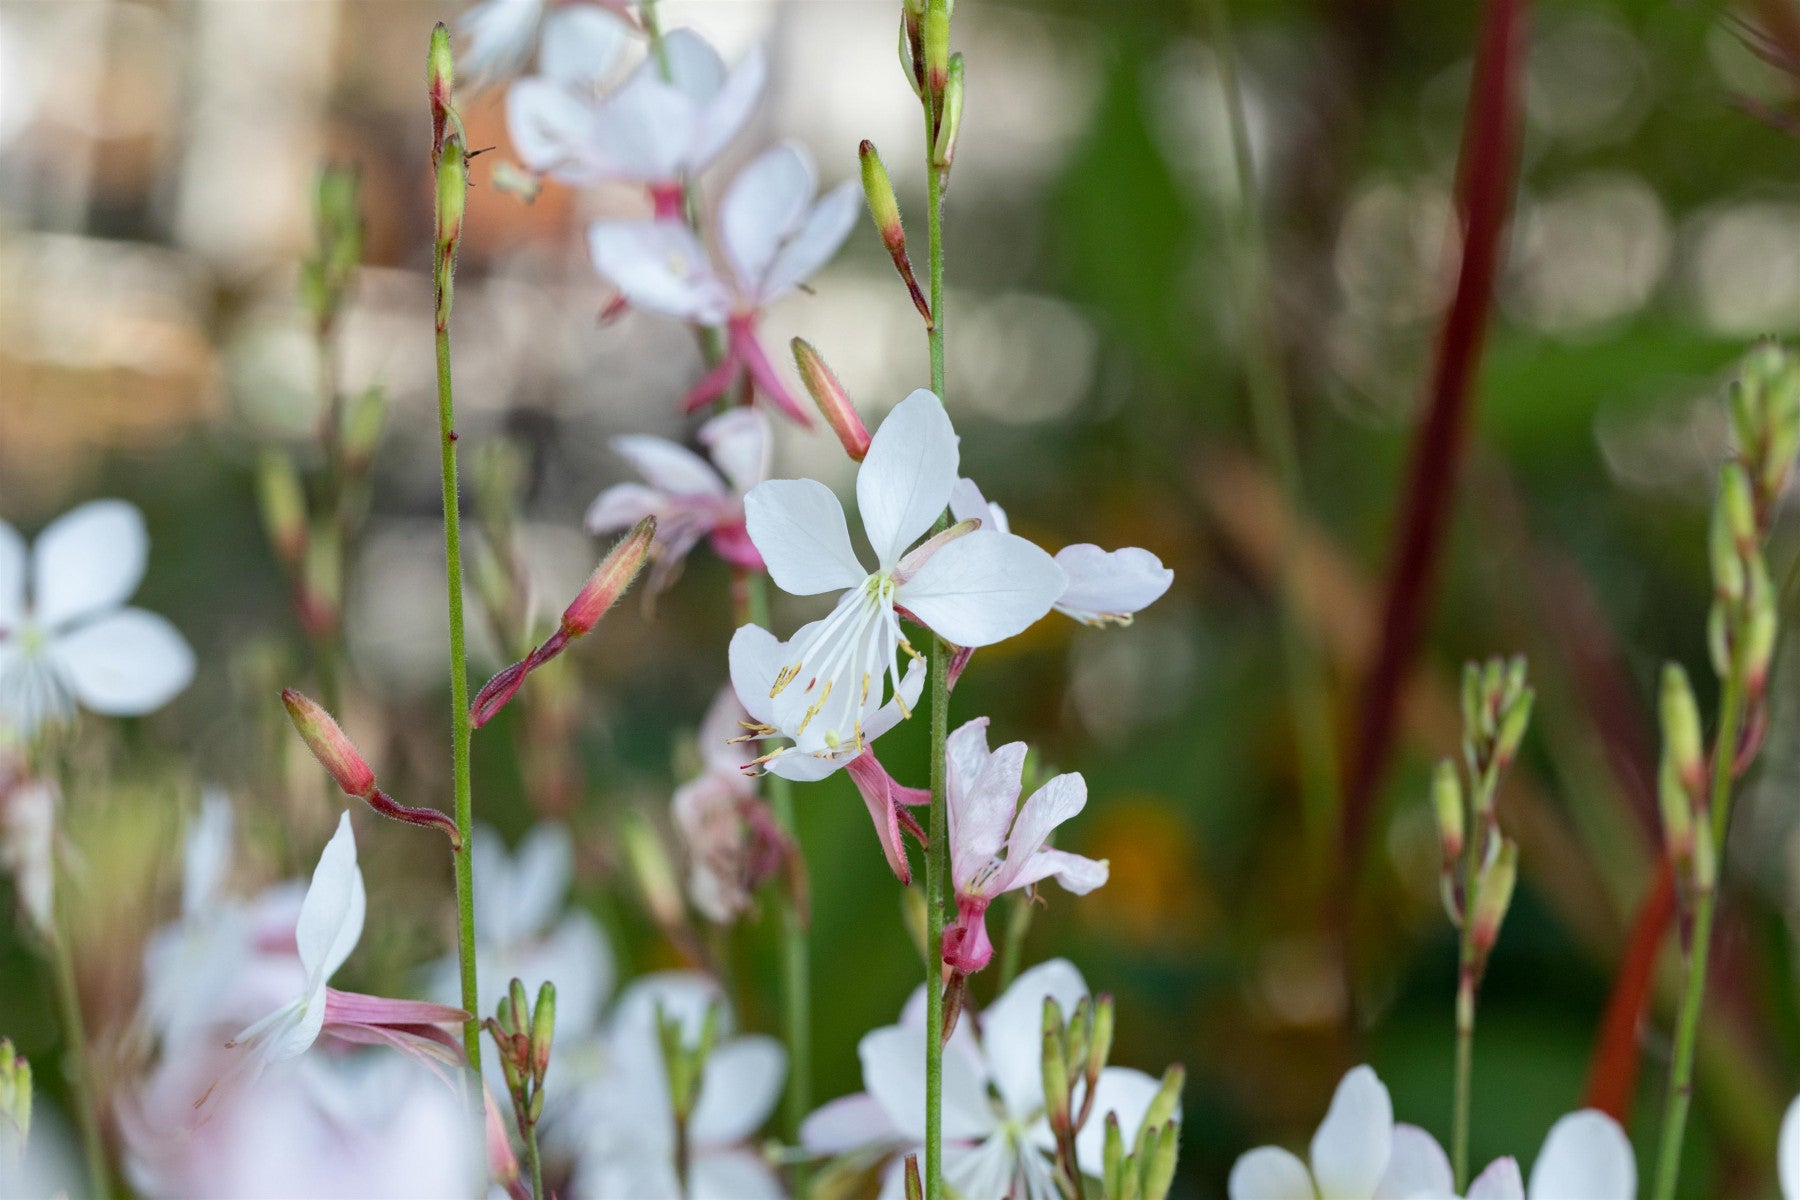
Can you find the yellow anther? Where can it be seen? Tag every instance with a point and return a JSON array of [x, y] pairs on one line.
[[814, 710]]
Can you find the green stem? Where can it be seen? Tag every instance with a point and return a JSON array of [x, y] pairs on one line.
[[1687, 1028], [535, 1161], [75, 1059], [1465, 1066], [795, 952], [459, 705], [1018, 922], [1273, 420]]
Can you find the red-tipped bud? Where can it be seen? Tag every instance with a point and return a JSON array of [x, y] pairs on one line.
[[330, 745], [935, 39], [440, 81], [884, 208], [833, 401]]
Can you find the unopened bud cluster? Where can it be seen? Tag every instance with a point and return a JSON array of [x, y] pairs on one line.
[[1074, 1055], [351, 771], [1681, 785], [326, 274], [522, 1033]]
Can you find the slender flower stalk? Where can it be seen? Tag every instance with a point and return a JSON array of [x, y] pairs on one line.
[[453, 181], [75, 1056]]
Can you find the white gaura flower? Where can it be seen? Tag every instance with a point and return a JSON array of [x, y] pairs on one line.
[[996, 845], [972, 587], [1105, 587], [576, 43], [690, 497], [65, 637], [1359, 1153], [997, 1141], [650, 131], [773, 234], [623, 1126]]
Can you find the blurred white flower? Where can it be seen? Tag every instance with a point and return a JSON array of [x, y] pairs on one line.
[[985, 819], [689, 498], [997, 1141], [774, 235], [1787, 1152], [28, 847], [576, 43], [65, 637], [732, 842]]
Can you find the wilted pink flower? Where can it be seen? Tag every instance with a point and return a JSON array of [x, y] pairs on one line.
[[687, 495], [996, 845], [773, 234], [732, 842]]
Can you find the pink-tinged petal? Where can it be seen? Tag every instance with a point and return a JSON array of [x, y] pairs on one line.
[[732, 544], [13, 570], [904, 483], [87, 561], [501, 36], [768, 381], [813, 244], [762, 208], [581, 44], [553, 130], [982, 809], [1501, 1181], [738, 1092], [1351, 1148], [715, 383], [427, 1045], [1077, 873], [798, 527], [728, 110], [669, 467], [966, 946], [983, 588], [1787, 1152], [1269, 1173], [893, 1065], [968, 504], [331, 916], [847, 1124], [756, 657], [1125, 1092], [660, 266], [1418, 1168], [1110, 587], [1057, 801], [1013, 1031], [876, 788], [357, 1008], [622, 506], [1585, 1154], [739, 443], [124, 664], [965, 750]]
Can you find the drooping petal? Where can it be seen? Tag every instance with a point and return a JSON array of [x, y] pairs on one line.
[[1109, 587], [849, 1123], [124, 664], [1585, 1154], [1501, 1181], [738, 1092], [1417, 1167], [1057, 801], [660, 266], [12, 578], [1013, 1031], [1077, 873], [893, 1064], [331, 916], [983, 811], [1351, 1148], [581, 44], [1269, 1173], [904, 483], [668, 466], [983, 588], [739, 443], [875, 786], [553, 131], [727, 111], [1126, 1092], [798, 528], [811, 246], [1787, 1152], [87, 561], [762, 208]]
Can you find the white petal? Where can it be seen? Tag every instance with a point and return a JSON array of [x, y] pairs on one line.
[[1787, 1152], [893, 1064], [88, 560], [965, 752], [1417, 1167], [501, 34], [331, 916], [733, 1175], [756, 658], [660, 266], [726, 113], [1057, 801], [669, 467], [968, 504], [817, 239], [798, 527], [12, 577], [582, 43], [804, 768], [1123, 1091], [981, 811], [904, 484], [739, 443], [126, 663], [1500, 1181], [1012, 1031], [542, 867], [1077, 873], [1350, 1150], [764, 206], [1585, 1154], [1112, 586], [553, 131], [738, 1092], [695, 68], [1269, 1173], [982, 588], [622, 506], [912, 686], [206, 856], [682, 995], [641, 130], [852, 1122]]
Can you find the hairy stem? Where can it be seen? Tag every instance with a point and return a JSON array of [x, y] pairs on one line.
[[534, 1161]]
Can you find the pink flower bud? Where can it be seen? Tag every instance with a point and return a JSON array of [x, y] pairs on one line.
[[330, 745], [833, 401], [440, 81]]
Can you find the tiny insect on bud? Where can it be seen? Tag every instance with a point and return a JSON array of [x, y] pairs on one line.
[[283, 504], [543, 1029], [884, 209], [1493, 895], [330, 745], [440, 82], [1447, 803], [943, 145], [1683, 748], [833, 401]]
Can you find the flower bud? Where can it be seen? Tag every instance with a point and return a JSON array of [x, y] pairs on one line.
[[1162, 1105], [1723, 550], [543, 1028], [915, 1190], [884, 208], [330, 745], [452, 196], [1677, 808], [440, 82], [1100, 1045], [1706, 857], [1112, 1170], [521, 1006], [1493, 685], [1739, 502], [935, 42], [1055, 1069], [1158, 1166], [1493, 894], [943, 145], [506, 1020], [1447, 803], [1081, 1029], [283, 504], [1683, 748], [322, 579], [1513, 723], [1471, 705], [833, 401]]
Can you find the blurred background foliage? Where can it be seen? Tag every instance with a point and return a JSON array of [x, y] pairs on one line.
[[155, 168]]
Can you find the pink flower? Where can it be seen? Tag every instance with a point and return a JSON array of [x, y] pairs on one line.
[[773, 235], [986, 820], [690, 498], [732, 842]]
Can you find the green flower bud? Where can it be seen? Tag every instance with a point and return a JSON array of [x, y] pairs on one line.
[[1100, 1046], [915, 1188], [1055, 1069], [1159, 1164], [1683, 746], [283, 504], [440, 82], [943, 146], [1513, 723], [1112, 1171], [1677, 809], [1447, 803], [1723, 548], [1162, 1107], [543, 1029], [363, 419], [935, 36], [1493, 894]]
